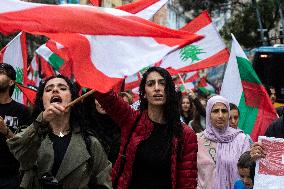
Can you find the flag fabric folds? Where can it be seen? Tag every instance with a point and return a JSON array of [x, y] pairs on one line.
[[111, 51], [207, 52], [242, 87], [15, 54]]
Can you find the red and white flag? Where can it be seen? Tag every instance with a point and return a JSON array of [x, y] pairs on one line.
[[207, 52], [111, 51], [15, 54], [35, 18]]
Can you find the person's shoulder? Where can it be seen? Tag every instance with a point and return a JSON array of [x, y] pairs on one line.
[[276, 128], [189, 134], [187, 129], [18, 105]]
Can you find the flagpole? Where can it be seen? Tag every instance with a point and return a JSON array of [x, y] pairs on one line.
[[188, 91], [182, 81], [79, 98]]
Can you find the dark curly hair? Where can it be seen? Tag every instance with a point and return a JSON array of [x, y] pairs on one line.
[[75, 113], [171, 107]]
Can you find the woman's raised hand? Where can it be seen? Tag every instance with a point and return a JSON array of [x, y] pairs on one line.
[[53, 111]]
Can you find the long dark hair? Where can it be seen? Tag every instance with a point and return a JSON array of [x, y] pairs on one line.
[[190, 112], [171, 107]]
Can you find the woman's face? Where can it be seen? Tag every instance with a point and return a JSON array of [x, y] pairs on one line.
[[155, 89], [219, 115], [185, 104], [234, 118], [56, 91]]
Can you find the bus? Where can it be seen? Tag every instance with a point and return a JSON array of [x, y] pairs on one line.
[[268, 63]]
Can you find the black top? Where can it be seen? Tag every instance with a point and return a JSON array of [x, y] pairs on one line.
[[14, 115], [276, 128], [152, 165], [107, 132], [60, 145]]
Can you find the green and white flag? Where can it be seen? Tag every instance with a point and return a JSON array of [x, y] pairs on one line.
[[242, 87]]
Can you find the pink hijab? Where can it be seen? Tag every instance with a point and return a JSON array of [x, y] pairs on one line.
[[227, 149]]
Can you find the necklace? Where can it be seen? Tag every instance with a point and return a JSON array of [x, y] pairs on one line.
[[62, 133]]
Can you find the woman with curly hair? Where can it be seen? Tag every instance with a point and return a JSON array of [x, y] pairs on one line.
[[55, 151], [157, 151]]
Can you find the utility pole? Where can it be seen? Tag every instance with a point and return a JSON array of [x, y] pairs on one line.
[[261, 30], [281, 19]]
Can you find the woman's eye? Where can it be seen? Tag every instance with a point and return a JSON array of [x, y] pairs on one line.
[[224, 110], [162, 82], [149, 84]]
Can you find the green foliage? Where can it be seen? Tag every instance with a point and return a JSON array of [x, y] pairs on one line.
[[244, 24], [198, 5]]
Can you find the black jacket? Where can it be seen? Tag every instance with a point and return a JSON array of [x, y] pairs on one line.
[[276, 128]]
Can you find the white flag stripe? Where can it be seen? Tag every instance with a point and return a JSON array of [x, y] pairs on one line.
[[13, 54], [44, 52], [149, 12], [15, 5], [232, 85], [123, 51]]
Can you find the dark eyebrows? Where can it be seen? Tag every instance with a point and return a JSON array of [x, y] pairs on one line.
[[153, 80], [217, 109], [52, 85]]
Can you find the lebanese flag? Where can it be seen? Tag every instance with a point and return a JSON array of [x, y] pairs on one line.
[[15, 54], [242, 87], [134, 43], [207, 52], [55, 54], [212, 51], [109, 59], [143, 8], [35, 18]]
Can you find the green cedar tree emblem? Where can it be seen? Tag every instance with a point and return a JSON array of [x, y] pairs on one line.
[[19, 79], [190, 52]]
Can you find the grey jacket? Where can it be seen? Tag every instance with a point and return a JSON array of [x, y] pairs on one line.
[[36, 155]]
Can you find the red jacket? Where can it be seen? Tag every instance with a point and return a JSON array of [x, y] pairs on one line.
[[184, 173]]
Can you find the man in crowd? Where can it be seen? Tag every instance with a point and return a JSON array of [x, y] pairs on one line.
[[13, 115]]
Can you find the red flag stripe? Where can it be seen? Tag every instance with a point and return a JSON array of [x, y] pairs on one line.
[[81, 19], [137, 6], [30, 94], [212, 61], [198, 23]]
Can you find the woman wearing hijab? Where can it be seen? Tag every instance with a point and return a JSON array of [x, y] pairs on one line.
[[219, 147]]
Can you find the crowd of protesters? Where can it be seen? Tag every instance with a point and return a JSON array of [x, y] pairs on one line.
[[171, 141]]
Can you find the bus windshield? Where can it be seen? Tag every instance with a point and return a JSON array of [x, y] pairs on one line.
[[268, 62]]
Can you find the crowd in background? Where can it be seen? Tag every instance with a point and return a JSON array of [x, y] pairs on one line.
[[173, 140]]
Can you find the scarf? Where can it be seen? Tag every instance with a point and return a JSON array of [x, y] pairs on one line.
[[227, 147]]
